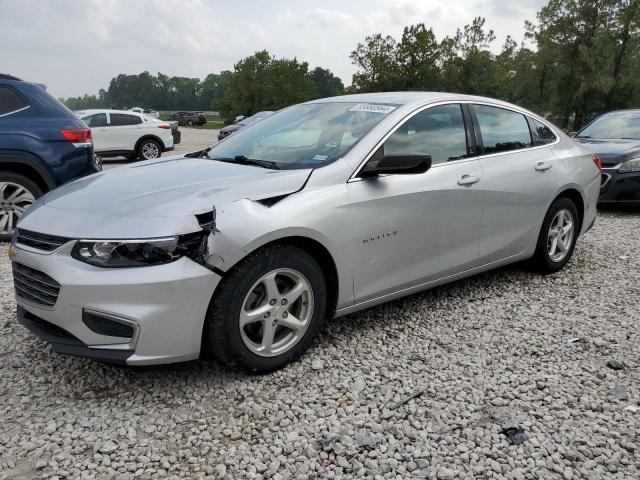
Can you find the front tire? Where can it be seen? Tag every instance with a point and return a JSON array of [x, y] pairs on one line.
[[17, 193], [266, 311], [557, 238]]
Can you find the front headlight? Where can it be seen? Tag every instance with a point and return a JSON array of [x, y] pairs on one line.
[[139, 253], [630, 166]]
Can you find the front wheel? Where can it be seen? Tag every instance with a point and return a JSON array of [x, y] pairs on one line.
[[557, 238], [267, 310]]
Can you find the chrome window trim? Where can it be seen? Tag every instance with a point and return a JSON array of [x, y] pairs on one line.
[[354, 176], [15, 111]]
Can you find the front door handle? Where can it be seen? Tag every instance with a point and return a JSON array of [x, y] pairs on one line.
[[542, 166], [466, 180]]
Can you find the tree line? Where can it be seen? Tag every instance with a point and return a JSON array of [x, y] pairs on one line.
[[258, 82], [577, 59]]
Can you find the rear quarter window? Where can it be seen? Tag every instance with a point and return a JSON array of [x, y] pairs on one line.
[[542, 135], [10, 101]]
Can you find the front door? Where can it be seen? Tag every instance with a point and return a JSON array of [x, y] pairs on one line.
[[415, 228]]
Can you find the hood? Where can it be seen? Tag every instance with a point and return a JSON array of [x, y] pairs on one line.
[[612, 151], [171, 187]]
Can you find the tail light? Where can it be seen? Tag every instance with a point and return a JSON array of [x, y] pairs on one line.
[[164, 126], [77, 135], [597, 161]]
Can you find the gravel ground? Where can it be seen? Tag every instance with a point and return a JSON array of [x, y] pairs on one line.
[[479, 355], [192, 140]]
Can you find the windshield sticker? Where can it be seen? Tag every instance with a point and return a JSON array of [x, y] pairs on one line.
[[369, 107], [332, 144], [320, 158]]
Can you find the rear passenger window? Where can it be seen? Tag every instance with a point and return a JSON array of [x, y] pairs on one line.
[[437, 131], [120, 119], [541, 133], [502, 130], [10, 101], [97, 120]]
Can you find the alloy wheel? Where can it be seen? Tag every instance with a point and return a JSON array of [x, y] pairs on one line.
[[561, 233], [14, 200], [276, 312], [150, 150]]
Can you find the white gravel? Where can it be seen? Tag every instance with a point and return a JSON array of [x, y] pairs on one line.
[[418, 388]]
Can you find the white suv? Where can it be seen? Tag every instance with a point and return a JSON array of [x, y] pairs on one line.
[[129, 134]]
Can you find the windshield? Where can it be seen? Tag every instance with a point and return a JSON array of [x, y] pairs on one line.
[[304, 136], [613, 125]]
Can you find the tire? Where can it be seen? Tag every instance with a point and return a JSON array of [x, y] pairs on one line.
[[239, 347], [190, 123], [9, 209], [548, 259], [149, 145]]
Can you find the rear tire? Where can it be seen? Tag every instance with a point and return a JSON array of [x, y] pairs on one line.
[[17, 193], [557, 238], [190, 123], [266, 311], [149, 149]]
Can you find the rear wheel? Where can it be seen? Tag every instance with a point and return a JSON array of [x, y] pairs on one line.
[[17, 193], [149, 149], [267, 310], [558, 236], [190, 123]]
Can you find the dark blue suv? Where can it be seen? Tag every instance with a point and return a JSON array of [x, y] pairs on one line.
[[42, 145]]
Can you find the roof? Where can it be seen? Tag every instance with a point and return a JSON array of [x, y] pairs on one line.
[[6, 76], [91, 111], [408, 98]]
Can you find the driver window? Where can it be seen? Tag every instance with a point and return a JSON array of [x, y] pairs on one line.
[[437, 131]]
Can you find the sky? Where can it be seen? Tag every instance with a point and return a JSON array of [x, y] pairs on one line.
[[77, 46]]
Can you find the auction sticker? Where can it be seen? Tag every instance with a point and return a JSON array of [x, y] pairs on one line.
[[373, 108]]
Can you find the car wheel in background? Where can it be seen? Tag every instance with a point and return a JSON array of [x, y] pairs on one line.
[[17, 193], [149, 149], [190, 123], [266, 311], [558, 236]]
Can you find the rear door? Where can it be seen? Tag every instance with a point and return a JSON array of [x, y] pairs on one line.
[[420, 227], [125, 130], [519, 181], [98, 124]]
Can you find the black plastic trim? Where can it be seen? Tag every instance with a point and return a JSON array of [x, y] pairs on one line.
[[64, 342]]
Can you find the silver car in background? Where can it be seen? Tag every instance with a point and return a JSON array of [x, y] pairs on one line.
[[322, 209]]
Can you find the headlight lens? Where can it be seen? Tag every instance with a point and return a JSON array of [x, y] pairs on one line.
[[630, 166], [138, 253]]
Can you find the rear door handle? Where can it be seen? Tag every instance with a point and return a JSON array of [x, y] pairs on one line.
[[466, 180], [542, 166]]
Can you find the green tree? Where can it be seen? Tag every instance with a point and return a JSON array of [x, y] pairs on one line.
[[376, 59], [261, 82], [326, 83]]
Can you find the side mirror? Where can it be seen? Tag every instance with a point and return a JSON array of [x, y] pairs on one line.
[[572, 134], [399, 164]]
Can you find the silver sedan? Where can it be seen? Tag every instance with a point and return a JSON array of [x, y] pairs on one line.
[[241, 250]]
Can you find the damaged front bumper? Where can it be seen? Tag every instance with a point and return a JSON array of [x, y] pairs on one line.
[[137, 316]]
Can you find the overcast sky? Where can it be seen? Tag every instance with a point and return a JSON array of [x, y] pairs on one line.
[[77, 46]]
